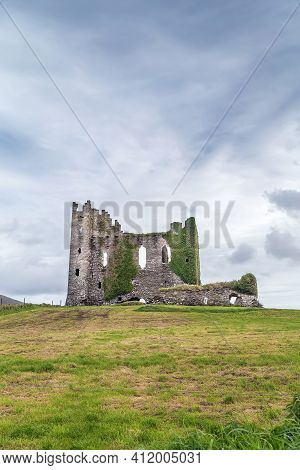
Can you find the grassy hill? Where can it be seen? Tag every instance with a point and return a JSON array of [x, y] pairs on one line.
[[8, 301], [132, 376]]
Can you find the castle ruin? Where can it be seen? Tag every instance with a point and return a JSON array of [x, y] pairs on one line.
[[108, 265]]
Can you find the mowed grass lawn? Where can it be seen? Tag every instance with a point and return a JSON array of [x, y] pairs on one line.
[[141, 377]]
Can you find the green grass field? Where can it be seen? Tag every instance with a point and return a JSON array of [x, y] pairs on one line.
[[141, 377]]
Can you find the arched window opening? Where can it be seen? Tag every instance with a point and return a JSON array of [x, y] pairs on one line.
[[142, 257], [233, 298], [105, 258], [77, 271], [79, 250], [164, 254], [99, 284]]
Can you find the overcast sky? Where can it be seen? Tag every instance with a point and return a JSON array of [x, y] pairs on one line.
[[149, 80]]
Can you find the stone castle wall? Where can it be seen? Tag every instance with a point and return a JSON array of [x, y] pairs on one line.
[[156, 274], [92, 235], [213, 296]]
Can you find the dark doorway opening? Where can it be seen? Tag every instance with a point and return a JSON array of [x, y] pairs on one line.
[[164, 254]]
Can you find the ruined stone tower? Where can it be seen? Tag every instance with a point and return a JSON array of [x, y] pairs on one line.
[[105, 263], [107, 266]]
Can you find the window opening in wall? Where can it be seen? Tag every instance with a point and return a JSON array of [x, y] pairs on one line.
[[99, 284], [164, 254], [77, 271], [79, 250], [104, 258], [142, 257], [233, 298]]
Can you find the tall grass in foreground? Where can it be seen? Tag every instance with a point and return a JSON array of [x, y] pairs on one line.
[[249, 436]]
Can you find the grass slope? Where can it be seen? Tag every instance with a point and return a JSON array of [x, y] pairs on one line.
[[149, 377], [8, 301]]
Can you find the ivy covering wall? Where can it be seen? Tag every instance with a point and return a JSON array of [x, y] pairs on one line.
[[184, 244], [122, 269], [246, 285]]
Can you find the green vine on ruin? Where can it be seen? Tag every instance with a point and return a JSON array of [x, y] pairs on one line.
[[246, 285], [122, 269], [184, 244]]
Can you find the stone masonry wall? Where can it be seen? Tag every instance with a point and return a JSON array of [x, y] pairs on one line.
[[92, 234], [156, 274], [213, 296]]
